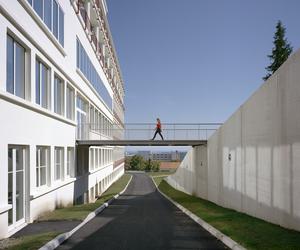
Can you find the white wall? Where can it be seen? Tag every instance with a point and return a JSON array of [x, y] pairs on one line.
[[262, 178], [23, 122]]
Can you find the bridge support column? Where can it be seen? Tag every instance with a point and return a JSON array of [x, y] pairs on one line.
[[200, 169]]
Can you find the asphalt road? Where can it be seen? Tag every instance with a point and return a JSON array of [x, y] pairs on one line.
[[142, 218]]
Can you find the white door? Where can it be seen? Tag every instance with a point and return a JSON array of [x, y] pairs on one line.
[[16, 185]]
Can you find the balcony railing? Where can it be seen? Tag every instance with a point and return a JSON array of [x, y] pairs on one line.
[[91, 34], [145, 131]]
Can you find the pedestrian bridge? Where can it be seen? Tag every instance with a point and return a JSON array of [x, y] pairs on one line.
[[141, 142], [141, 134]]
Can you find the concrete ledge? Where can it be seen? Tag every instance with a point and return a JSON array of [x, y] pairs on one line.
[[222, 237], [58, 240]]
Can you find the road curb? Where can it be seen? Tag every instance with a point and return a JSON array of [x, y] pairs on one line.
[[215, 232], [58, 240]]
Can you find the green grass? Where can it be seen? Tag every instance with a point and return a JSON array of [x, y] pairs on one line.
[[79, 212], [161, 173], [158, 180], [248, 231], [31, 242]]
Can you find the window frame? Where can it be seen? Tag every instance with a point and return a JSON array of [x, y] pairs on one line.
[[59, 167], [59, 109], [60, 36], [70, 162], [40, 66], [70, 111], [26, 83], [38, 166]]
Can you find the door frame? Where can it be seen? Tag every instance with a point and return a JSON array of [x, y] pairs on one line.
[[16, 225]]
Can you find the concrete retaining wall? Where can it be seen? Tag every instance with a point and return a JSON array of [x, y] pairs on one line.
[[253, 160]]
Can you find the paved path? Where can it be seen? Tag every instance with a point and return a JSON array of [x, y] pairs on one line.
[[142, 218]]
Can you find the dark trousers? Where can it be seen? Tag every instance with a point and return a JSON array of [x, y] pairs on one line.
[[158, 130]]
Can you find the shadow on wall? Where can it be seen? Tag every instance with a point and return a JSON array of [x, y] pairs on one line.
[[260, 181], [253, 159], [81, 185]]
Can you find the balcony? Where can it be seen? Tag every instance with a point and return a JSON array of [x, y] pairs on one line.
[[92, 131], [89, 23]]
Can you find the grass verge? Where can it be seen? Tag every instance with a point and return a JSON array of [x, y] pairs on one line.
[[161, 173], [79, 212], [30, 242], [250, 232]]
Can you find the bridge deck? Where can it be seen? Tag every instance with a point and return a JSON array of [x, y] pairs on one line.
[[141, 142]]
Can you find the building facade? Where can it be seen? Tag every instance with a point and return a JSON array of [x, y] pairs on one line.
[[160, 156], [60, 82]]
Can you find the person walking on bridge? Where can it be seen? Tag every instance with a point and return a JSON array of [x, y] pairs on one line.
[[158, 129]]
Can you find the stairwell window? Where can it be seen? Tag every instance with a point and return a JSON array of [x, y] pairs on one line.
[[15, 68], [52, 15], [42, 85], [59, 93]]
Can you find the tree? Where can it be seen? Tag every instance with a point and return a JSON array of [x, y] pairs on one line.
[[280, 52], [155, 166], [137, 163], [127, 162], [148, 165]]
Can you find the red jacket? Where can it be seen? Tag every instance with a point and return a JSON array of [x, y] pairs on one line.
[[158, 125]]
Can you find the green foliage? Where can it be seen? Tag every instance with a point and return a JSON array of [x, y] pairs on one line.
[[127, 162], [32, 242], [250, 232], [281, 51], [137, 162], [155, 166], [79, 212]]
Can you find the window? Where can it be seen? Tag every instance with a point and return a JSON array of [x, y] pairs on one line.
[[55, 19], [15, 68], [42, 89], [48, 13], [59, 163], [42, 165], [38, 7], [59, 91], [70, 103], [96, 158], [52, 15], [96, 121], [70, 162], [82, 118], [85, 65], [61, 26], [92, 117], [92, 162]]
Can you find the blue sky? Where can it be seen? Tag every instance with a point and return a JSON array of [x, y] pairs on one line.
[[195, 60]]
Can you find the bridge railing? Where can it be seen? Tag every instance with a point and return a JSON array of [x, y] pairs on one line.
[[145, 131]]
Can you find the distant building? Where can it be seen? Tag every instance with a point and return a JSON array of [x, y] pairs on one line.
[[161, 156], [145, 154]]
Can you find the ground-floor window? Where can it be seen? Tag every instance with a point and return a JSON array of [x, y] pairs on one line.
[[70, 162], [42, 165], [59, 163]]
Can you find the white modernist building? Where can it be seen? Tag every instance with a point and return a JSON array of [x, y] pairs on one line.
[[60, 82]]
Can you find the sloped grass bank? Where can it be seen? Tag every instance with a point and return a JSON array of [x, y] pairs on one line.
[[250, 232], [79, 212]]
